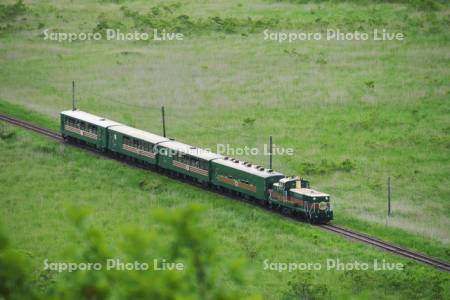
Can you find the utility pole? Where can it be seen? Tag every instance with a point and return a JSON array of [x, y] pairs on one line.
[[73, 95], [163, 120], [270, 152], [389, 196]]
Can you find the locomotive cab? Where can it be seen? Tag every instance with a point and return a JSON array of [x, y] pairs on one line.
[[295, 193], [316, 204]]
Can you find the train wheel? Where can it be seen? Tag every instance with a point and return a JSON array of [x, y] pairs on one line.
[[285, 211], [311, 219]]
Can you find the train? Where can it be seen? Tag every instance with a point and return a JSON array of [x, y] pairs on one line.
[[291, 195]]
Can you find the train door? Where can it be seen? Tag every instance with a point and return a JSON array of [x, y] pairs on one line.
[[115, 141]]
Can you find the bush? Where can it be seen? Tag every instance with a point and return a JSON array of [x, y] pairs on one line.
[[302, 286], [325, 167], [181, 238], [10, 12], [6, 133], [163, 16]]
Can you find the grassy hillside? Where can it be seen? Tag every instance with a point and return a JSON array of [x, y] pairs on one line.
[[57, 177], [355, 112]]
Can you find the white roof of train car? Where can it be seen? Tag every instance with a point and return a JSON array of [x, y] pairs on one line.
[[90, 118], [139, 134], [243, 166], [190, 150]]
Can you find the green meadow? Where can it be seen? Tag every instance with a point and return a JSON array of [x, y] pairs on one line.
[[42, 180], [354, 112]]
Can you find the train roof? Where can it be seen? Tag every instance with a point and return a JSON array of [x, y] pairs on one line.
[[190, 150], [90, 118], [139, 134], [309, 192], [247, 167]]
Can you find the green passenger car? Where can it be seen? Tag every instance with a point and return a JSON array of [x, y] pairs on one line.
[[186, 159], [86, 127], [134, 143], [243, 177]]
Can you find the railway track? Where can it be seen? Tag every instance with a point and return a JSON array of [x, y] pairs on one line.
[[32, 127], [388, 247], [331, 228]]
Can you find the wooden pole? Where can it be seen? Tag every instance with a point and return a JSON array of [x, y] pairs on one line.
[[73, 95], [389, 196], [270, 152], [163, 121]]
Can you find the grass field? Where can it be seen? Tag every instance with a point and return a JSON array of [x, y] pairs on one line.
[[355, 112], [57, 177]]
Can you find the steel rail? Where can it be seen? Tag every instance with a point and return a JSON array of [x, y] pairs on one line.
[[387, 246], [31, 127]]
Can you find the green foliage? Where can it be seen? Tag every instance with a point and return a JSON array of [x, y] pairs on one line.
[[303, 286], [6, 132], [12, 11], [153, 186], [15, 280], [180, 238], [419, 4], [370, 84], [165, 17], [248, 122], [9, 14], [325, 166], [104, 22]]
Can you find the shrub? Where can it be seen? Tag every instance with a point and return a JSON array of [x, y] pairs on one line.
[[10, 12], [180, 238]]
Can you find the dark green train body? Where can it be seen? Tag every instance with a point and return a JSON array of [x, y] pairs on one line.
[[187, 160], [86, 127], [289, 194], [134, 143], [243, 177]]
